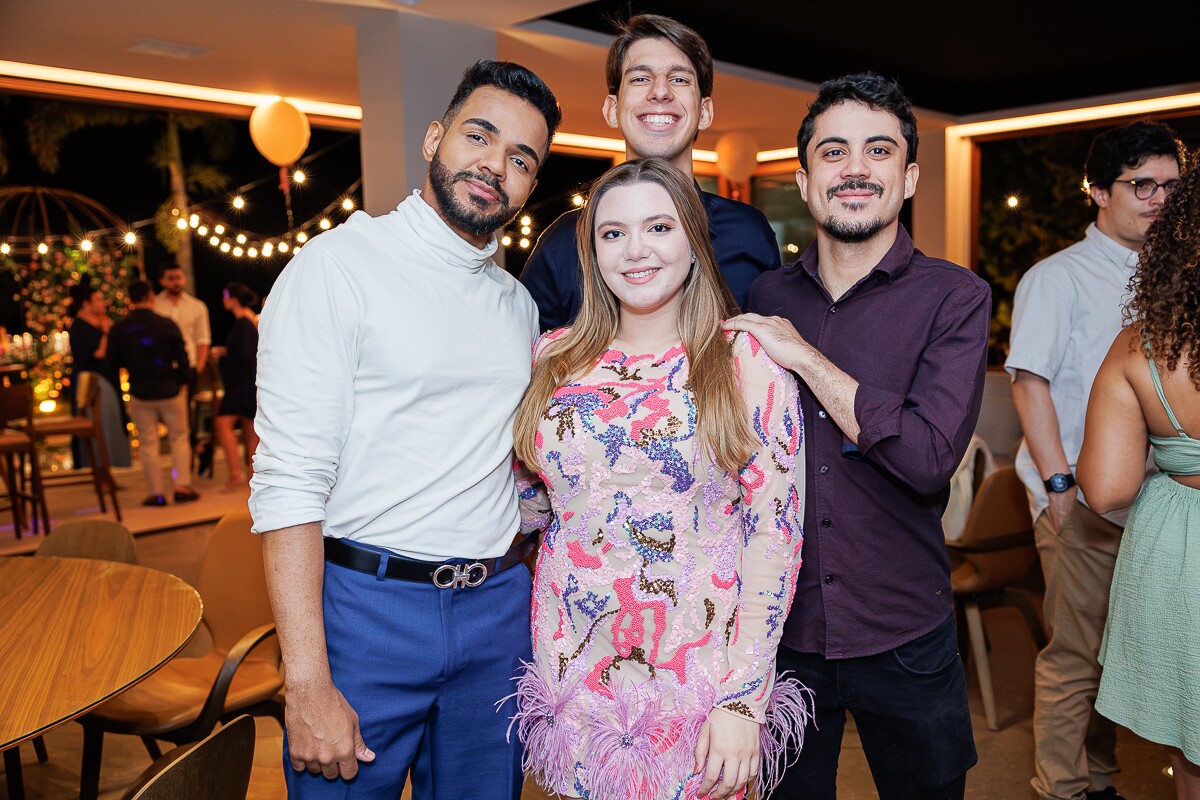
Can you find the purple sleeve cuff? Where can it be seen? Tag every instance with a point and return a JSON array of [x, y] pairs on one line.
[[878, 415]]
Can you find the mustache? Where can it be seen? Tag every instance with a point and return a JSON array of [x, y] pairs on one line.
[[492, 182], [854, 185]]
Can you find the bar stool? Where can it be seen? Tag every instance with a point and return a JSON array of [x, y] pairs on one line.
[[17, 449], [85, 426]]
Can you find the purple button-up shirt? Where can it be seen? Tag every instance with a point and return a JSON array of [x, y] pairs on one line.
[[914, 334]]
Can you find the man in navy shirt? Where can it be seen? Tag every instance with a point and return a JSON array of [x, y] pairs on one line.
[[660, 80], [891, 347]]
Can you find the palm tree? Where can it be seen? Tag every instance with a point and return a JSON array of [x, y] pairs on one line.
[[51, 122]]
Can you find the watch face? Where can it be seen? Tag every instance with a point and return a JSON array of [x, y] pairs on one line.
[[1058, 483]]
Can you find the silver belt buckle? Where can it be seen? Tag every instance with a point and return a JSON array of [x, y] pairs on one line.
[[458, 576]]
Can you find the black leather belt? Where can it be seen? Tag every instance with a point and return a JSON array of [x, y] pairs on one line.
[[456, 574]]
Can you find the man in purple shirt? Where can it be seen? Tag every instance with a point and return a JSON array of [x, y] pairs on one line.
[[890, 346]]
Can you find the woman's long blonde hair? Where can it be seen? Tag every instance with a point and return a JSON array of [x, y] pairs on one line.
[[721, 422]]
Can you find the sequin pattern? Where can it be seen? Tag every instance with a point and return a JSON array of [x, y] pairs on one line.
[[662, 582]]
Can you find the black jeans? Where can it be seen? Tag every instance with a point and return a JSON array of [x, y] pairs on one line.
[[910, 707]]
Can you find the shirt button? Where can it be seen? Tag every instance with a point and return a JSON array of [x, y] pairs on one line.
[[822, 414], [825, 523], [829, 579], [833, 309], [824, 469]]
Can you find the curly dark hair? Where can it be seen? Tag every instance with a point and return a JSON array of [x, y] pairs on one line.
[[873, 91], [1166, 287]]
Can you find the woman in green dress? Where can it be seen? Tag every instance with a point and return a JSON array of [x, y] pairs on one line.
[[1148, 393]]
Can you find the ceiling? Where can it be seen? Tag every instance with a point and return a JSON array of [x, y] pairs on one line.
[[981, 58]]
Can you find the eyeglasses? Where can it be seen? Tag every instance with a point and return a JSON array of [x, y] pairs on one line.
[[1145, 188]]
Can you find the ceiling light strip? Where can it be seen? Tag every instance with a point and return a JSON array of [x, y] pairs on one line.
[[1049, 119], [167, 89]]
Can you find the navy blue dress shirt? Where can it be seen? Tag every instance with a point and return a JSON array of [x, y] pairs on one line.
[[913, 333], [742, 239]]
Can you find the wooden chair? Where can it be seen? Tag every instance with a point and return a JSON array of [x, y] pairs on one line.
[[188, 696], [997, 551], [85, 426], [18, 449], [215, 768], [101, 539]]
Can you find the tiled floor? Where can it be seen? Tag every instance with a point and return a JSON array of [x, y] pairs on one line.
[[1005, 756]]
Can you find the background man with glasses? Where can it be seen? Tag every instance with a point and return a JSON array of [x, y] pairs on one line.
[[1066, 314]]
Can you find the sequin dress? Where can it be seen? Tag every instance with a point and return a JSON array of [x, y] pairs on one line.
[[663, 582]]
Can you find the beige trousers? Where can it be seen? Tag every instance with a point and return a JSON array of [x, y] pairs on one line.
[[1074, 747], [172, 412]]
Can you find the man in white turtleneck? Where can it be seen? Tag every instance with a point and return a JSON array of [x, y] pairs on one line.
[[393, 354]]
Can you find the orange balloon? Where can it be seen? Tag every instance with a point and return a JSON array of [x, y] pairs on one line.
[[736, 156], [280, 132]]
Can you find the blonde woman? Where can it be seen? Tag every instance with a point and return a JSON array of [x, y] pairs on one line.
[[672, 454]]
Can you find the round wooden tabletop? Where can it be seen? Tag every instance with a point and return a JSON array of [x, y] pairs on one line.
[[74, 632]]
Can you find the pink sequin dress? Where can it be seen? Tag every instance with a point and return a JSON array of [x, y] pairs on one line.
[[663, 582]]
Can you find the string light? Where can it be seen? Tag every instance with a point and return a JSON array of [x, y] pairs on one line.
[[526, 221], [252, 252], [194, 220], [237, 251], [792, 248], [506, 240], [241, 238], [43, 248], [326, 224], [1012, 201], [219, 229], [525, 229], [224, 247], [181, 223], [298, 176], [524, 244], [239, 202], [283, 247], [301, 237], [577, 200], [5, 249], [202, 230], [214, 241], [86, 245], [268, 248], [348, 204], [130, 238]]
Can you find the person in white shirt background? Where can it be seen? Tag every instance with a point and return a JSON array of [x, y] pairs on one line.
[[393, 354], [1066, 313]]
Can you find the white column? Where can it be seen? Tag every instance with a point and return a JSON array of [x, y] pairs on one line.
[[408, 67]]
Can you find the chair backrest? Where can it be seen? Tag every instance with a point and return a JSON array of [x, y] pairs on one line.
[[87, 394], [215, 768], [1000, 509], [998, 422], [234, 586], [100, 539], [16, 401]]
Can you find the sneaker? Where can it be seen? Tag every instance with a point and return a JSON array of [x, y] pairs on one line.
[[155, 501], [186, 495], [1107, 793]]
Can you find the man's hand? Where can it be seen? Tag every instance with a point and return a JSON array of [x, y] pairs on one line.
[[783, 344], [1060, 507], [323, 734], [728, 752]]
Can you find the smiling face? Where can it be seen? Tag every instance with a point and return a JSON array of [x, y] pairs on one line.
[[857, 179], [483, 165], [1122, 216], [641, 249], [658, 107]]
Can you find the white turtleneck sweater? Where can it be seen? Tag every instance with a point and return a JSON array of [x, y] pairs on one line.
[[392, 356]]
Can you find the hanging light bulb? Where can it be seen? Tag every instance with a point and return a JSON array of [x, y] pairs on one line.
[[130, 238], [219, 229], [194, 220], [506, 240], [202, 230], [239, 203], [524, 243], [283, 247], [181, 223], [301, 237], [86, 245], [5, 249], [526, 221], [43, 248], [224, 247], [326, 224], [348, 204], [214, 241], [268, 248], [237, 251], [241, 238], [577, 200], [299, 177], [252, 252]]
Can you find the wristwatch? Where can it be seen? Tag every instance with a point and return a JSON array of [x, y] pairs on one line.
[[1059, 482]]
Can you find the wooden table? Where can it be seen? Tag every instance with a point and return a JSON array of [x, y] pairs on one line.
[[75, 632]]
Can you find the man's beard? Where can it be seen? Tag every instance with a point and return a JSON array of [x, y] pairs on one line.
[[852, 232], [470, 220]]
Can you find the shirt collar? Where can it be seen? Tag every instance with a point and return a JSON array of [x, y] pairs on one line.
[[439, 239], [895, 261], [1112, 248]]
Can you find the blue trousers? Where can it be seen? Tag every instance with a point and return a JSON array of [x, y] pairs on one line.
[[910, 707], [424, 668]]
